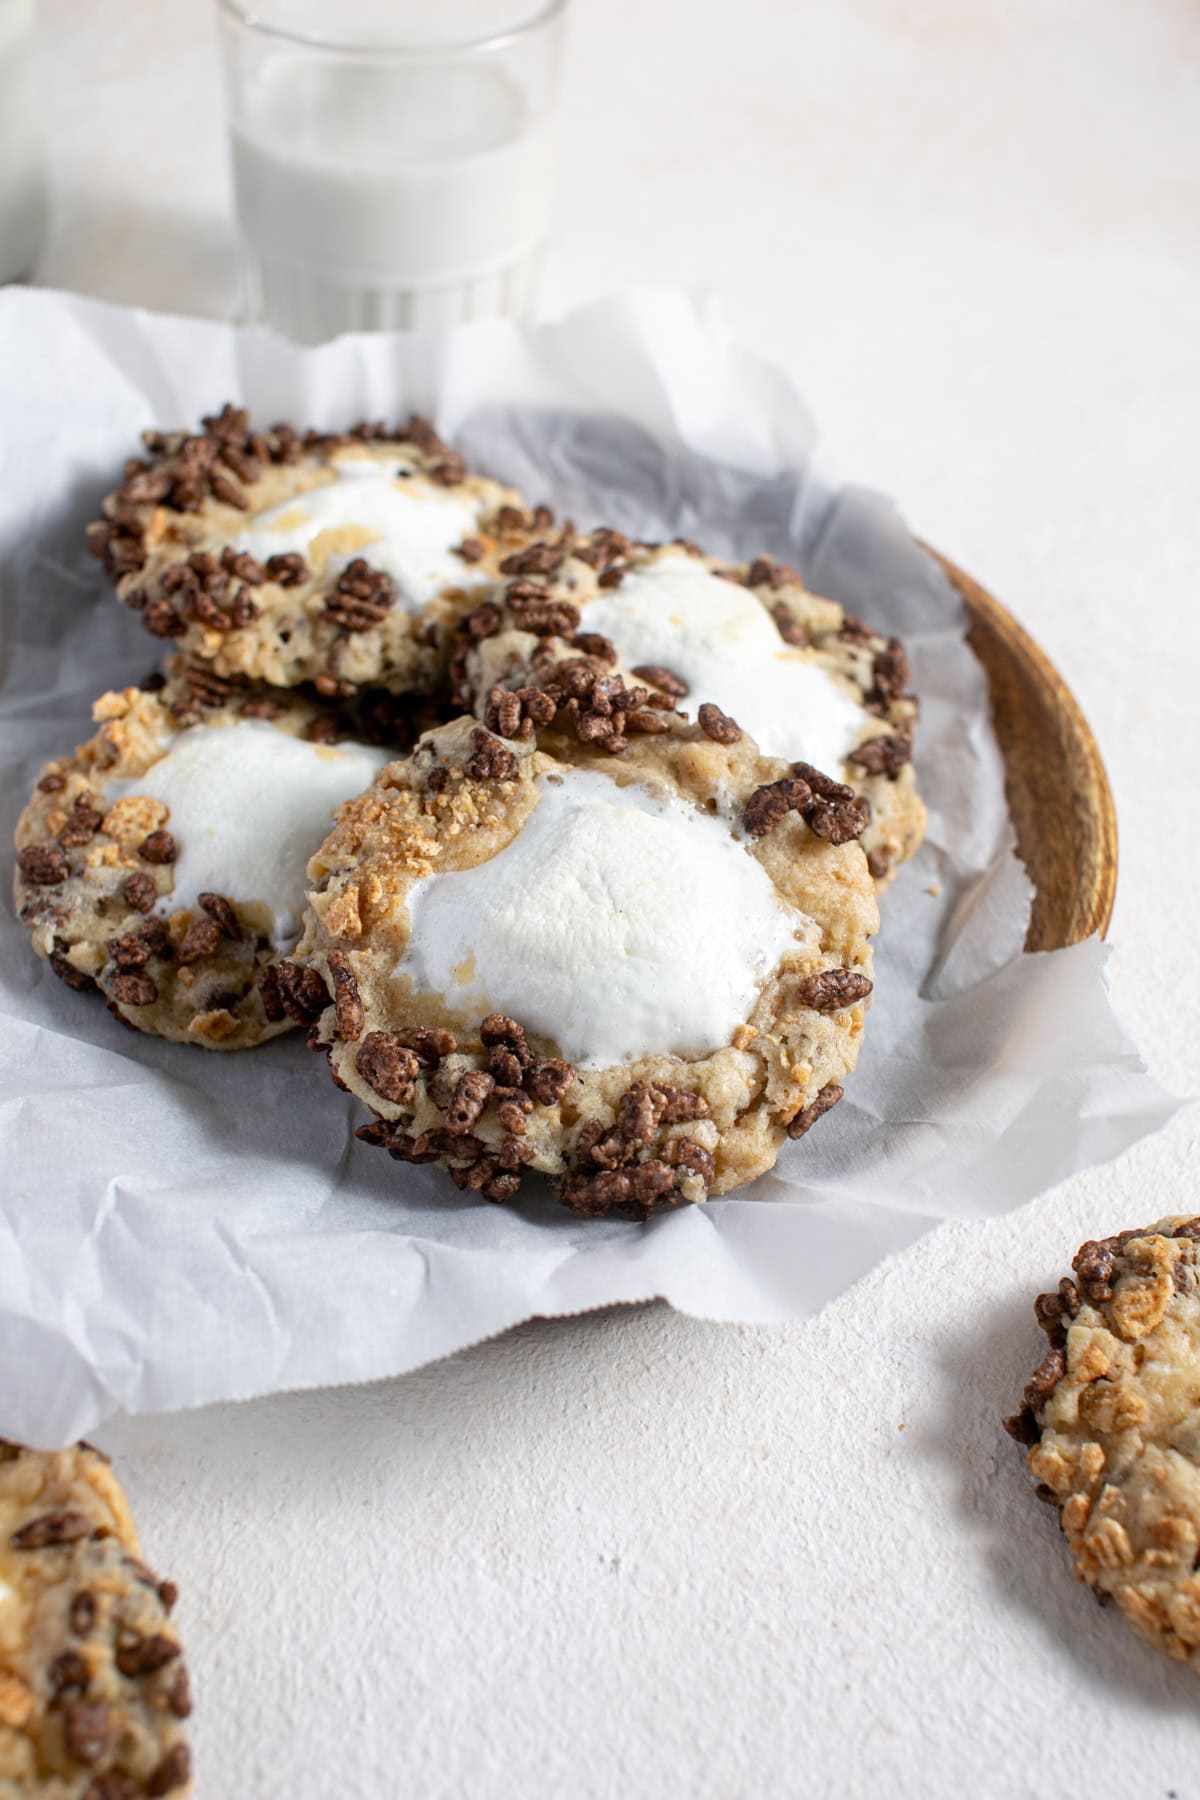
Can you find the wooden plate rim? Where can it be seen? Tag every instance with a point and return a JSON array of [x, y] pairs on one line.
[[1064, 773]]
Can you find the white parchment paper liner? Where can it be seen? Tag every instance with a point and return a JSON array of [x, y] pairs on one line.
[[179, 1227]]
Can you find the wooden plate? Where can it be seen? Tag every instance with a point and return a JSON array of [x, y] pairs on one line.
[[1058, 792]]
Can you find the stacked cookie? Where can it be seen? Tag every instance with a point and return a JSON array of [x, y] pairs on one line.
[[593, 829]]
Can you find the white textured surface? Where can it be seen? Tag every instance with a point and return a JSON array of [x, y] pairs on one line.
[[720, 639], [635, 892], [637, 1555]]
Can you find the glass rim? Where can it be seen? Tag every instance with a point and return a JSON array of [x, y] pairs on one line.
[[542, 14]]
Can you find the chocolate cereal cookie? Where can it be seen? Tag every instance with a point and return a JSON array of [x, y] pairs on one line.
[[340, 559], [93, 1687], [638, 970], [163, 861], [584, 620], [1111, 1420]]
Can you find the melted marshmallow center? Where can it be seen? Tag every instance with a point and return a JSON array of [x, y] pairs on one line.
[[248, 807], [401, 525], [718, 638], [617, 923]]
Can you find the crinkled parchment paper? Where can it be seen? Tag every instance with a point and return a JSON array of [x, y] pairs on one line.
[[179, 1227]]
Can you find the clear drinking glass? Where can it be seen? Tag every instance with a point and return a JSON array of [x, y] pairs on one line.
[[22, 143], [393, 160]]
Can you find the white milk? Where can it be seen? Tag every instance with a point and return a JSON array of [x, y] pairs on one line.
[[374, 195], [22, 143]]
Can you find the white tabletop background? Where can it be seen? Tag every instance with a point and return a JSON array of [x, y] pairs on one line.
[[637, 1555]]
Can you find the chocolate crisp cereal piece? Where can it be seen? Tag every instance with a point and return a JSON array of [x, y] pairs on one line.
[[93, 1686], [1112, 1428], [342, 559], [617, 634], [484, 923], [123, 843]]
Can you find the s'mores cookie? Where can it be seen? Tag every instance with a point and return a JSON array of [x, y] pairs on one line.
[[1110, 1420], [93, 1687], [585, 620], [340, 559], [636, 973], [163, 861]]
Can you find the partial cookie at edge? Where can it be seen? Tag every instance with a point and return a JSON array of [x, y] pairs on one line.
[[93, 1687], [1110, 1415]]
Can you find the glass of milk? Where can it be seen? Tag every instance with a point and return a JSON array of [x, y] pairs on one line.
[[393, 160], [22, 143]]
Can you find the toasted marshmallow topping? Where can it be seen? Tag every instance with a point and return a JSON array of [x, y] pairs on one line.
[[617, 923], [403, 525], [248, 806], [718, 638]]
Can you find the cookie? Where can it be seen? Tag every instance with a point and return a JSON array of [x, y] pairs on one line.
[[163, 862], [638, 973], [746, 643], [1110, 1417], [93, 1687], [339, 559]]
